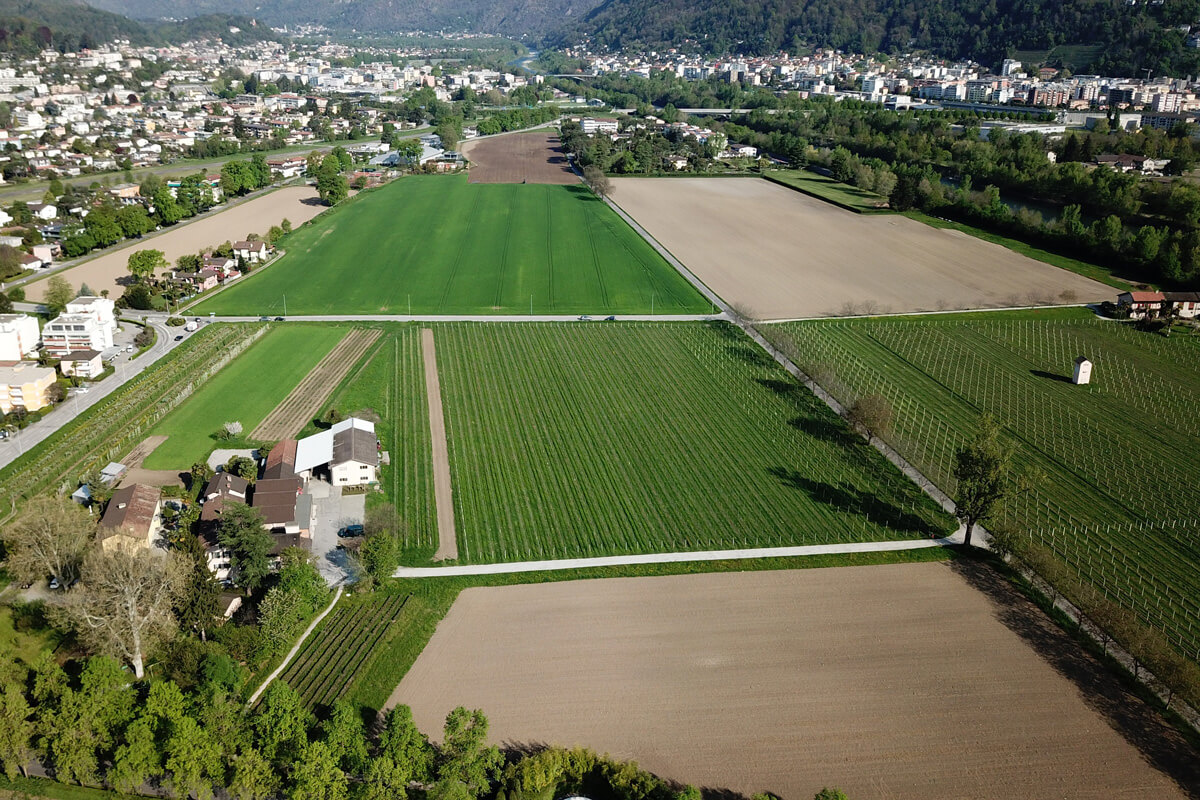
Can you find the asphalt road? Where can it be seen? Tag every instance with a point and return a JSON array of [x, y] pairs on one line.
[[13, 447]]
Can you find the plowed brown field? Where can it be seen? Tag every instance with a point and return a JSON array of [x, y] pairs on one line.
[[777, 253], [518, 158], [913, 681]]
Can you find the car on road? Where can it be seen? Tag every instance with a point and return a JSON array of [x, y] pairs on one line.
[[279, 319], [179, 338], [609, 318], [349, 531], [584, 318]]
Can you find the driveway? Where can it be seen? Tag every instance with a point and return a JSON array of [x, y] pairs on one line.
[[331, 512]]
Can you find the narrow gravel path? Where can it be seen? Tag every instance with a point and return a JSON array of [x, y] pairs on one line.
[[442, 487]]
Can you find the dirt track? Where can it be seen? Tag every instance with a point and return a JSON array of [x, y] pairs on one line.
[[780, 254], [518, 158], [905, 681], [296, 203], [295, 410], [442, 485]]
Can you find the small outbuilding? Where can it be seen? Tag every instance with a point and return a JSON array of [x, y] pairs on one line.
[[1083, 371]]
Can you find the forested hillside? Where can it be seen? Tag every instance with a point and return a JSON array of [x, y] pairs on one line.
[[27, 26], [1124, 38]]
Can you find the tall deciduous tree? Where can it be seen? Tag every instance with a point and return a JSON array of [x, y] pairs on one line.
[[281, 725], [143, 263], [597, 181], [316, 775], [253, 777], [49, 538], [123, 605], [16, 730], [871, 414], [58, 293], [981, 470], [465, 760], [193, 760], [404, 756], [344, 734], [331, 185]]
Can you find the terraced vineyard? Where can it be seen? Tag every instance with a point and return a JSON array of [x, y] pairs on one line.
[[607, 438], [111, 428], [333, 656], [1120, 454]]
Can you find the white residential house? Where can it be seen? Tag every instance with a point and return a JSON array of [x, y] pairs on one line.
[[591, 125], [250, 252], [348, 452], [19, 336], [88, 324], [43, 211]]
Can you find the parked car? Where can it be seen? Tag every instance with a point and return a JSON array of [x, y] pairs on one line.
[[53, 582], [179, 338], [350, 530]]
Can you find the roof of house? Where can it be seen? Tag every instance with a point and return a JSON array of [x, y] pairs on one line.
[[276, 499], [1145, 297], [1182, 297], [249, 245], [281, 461], [323, 448], [81, 355], [226, 483], [131, 510]]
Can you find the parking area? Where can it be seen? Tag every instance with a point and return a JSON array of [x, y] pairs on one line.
[[332, 511]]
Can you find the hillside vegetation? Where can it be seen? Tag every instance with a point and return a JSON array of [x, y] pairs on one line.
[[1126, 38]]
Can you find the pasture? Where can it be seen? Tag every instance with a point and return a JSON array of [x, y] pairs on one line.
[[902, 681], [591, 439], [244, 391], [438, 245], [1119, 455], [779, 254], [841, 194]]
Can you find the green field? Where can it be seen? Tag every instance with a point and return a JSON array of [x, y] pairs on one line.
[[841, 194], [245, 391], [589, 439], [439, 245], [1122, 477]]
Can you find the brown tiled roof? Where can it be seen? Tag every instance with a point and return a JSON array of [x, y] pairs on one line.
[[81, 355], [281, 461], [131, 511], [285, 540], [276, 499], [355, 444], [226, 483]]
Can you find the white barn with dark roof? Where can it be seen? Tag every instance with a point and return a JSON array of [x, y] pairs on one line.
[[349, 451]]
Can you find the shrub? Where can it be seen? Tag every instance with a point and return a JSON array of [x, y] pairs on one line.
[[176, 322]]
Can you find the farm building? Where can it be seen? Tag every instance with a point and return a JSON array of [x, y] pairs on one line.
[[348, 452], [1141, 304], [132, 521]]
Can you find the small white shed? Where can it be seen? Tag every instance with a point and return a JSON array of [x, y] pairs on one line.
[[1083, 371]]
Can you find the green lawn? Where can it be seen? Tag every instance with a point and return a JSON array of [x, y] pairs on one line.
[[449, 247], [588, 439], [841, 194], [1122, 477], [246, 391]]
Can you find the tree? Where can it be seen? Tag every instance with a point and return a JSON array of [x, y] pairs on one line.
[[316, 776], [871, 414], [168, 208], [465, 760], [138, 759], [241, 532], [286, 225], [260, 171], [16, 730], [281, 725], [58, 293], [236, 178], [142, 264], [405, 756], [343, 732], [123, 603], [409, 148], [449, 132], [280, 617], [50, 538], [597, 181], [343, 157], [198, 602], [831, 794], [331, 185], [6, 304], [253, 777], [10, 261], [134, 221], [102, 225], [193, 760], [981, 471]]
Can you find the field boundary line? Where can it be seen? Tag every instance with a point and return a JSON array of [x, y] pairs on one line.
[[295, 648], [443, 487], [928, 313], [506, 568]]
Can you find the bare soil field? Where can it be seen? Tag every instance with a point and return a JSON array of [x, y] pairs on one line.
[[295, 410], [297, 203], [904, 681], [518, 158], [781, 254]]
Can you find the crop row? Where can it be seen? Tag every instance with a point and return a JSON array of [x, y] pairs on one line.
[[1115, 463], [570, 440], [332, 658], [114, 426]]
